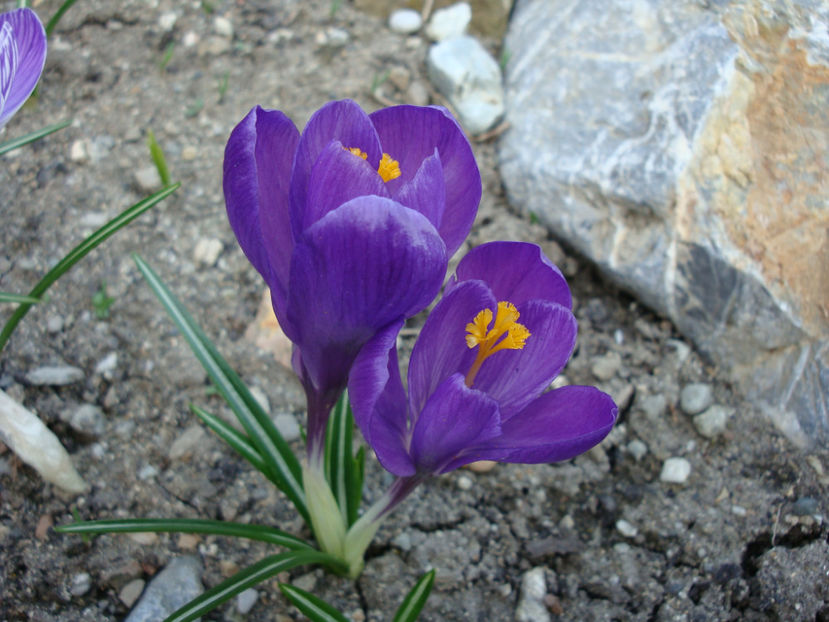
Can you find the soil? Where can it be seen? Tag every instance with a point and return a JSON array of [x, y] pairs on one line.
[[743, 538]]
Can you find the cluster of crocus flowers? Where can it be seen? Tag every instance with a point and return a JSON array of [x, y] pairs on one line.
[[477, 379], [22, 55]]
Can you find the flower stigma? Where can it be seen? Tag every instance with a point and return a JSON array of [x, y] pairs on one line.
[[389, 168], [505, 334]]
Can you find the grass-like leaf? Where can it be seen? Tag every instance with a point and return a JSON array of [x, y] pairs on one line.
[[234, 438], [355, 486], [282, 465], [415, 599], [32, 136], [79, 252], [159, 160], [250, 576], [316, 609], [262, 533], [58, 14], [18, 298], [338, 459]]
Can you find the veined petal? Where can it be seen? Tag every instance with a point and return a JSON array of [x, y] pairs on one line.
[[410, 134], [455, 417], [22, 55], [361, 267], [559, 425], [342, 120], [516, 377], [378, 400], [515, 271], [257, 169], [441, 349], [337, 177], [426, 192]]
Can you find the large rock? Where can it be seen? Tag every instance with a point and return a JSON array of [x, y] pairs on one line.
[[683, 146]]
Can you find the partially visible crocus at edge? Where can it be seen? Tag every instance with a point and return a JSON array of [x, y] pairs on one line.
[[22, 55], [350, 223], [478, 379]]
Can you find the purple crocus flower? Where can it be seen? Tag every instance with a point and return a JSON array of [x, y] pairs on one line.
[[351, 224], [478, 374], [22, 54]]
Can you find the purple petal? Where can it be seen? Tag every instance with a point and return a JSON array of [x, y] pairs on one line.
[[410, 134], [22, 55], [516, 377], [559, 425], [361, 267], [257, 169], [426, 192], [454, 418], [516, 272], [441, 349], [337, 177], [342, 120], [378, 400]]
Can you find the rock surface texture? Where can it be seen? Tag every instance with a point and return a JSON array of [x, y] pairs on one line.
[[683, 147]]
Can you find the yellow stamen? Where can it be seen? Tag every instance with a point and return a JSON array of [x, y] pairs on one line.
[[389, 168], [505, 334]]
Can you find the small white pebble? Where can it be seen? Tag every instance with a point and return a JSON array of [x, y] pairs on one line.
[[464, 483], [405, 21], [637, 449], [626, 529], [167, 20], [223, 27], [675, 471], [738, 510]]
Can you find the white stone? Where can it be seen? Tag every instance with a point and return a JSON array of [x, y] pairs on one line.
[[712, 423], [405, 21], [223, 27], [80, 584], [87, 419], [147, 179], [287, 426], [675, 471], [637, 449], [107, 364], [449, 22], [246, 600], [467, 75], [626, 529], [167, 20], [464, 482], [207, 251], [37, 446], [695, 397], [77, 151], [531, 607], [55, 376], [177, 584]]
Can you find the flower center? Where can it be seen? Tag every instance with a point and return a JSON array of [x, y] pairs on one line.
[[505, 334], [389, 168]]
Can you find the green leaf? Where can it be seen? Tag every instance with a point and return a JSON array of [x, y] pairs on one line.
[[338, 437], [159, 160], [58, 14], [32, 136], [315, 608], [101, 302], [280, 461], [415, 599], [355, 488], [235, 439], [262, 533], [18, 298], [250, 576], [79, 252]]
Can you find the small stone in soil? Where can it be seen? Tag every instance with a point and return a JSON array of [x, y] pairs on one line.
[[54, 376], [713, 421], [695, 397], [675, 471], [246, 600]]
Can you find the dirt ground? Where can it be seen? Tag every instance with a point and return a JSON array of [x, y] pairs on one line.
[[743, 538]]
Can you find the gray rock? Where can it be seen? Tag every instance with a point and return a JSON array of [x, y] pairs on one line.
[[713, 421], [188, 442], [465, 73], [81, 583], [637, 449], [173, 587], [805, 506], [87, 419], [246, 600], [449, 22], [287, 426], [644, 138], [147, 179], [606, 366], [675, 471], [107, 365], [54, 376], [531, 607], [794, 582], [695, 397], [405, 21]]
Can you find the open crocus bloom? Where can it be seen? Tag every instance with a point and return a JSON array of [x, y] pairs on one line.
[[351, 224], [22, 54], [478, 374]]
